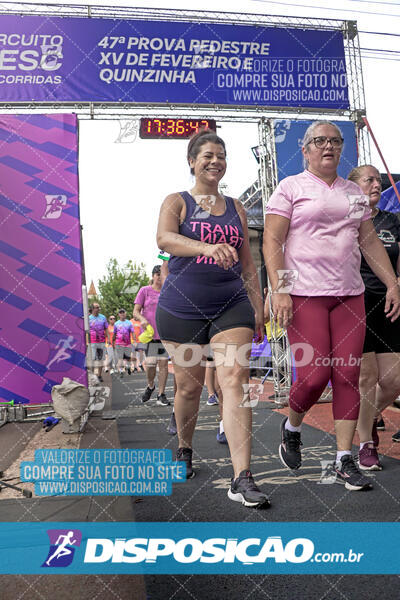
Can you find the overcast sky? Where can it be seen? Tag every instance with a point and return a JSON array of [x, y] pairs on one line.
[[123, 184]]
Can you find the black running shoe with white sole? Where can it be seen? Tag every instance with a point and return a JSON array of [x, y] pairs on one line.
[[147, 393], [349, 474], [289, 449], [243, 489], [185, 454]]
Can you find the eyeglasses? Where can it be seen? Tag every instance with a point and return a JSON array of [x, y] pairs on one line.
[[372, 179], [321, 141]]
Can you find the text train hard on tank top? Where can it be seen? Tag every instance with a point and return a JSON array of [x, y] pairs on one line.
[[196, 287]]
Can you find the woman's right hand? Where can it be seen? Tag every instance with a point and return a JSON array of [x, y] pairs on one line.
[[282, 308], [225, 256]]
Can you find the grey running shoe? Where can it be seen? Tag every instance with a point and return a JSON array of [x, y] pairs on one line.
[[289, 449], [162, 400], [221, 438], [185, 454], [349, 474], [243, 489], [212, 400], [172, 430]]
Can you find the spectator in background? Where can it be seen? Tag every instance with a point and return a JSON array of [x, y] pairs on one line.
[[144, 311], [109, 347], [123, 330], [137, 353], [215, 397], [98, 330]]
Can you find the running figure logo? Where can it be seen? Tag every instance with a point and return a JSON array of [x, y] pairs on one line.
[[204, 206], [63, 543], [50, 55], [62, 346], [203, 56], [287, 279], [281, 127], [128, 131], [54, 206], [328, 473], [251, 394], [357, 206]]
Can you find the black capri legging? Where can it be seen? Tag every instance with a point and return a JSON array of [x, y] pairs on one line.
[[201, 331]]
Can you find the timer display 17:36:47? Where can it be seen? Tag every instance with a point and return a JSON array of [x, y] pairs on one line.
[[173, 128]]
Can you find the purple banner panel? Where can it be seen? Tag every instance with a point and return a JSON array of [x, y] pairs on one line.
[[41, 322]]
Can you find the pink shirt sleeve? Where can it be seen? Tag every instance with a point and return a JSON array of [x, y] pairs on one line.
[[281, 201], [141, 297]]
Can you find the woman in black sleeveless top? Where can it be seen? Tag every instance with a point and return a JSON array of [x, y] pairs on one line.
[[205, 300]]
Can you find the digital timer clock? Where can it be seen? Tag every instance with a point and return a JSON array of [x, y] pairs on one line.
[[173, 128]]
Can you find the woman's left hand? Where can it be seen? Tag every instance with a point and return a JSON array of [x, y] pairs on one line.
[[392, 304], [259, 327]]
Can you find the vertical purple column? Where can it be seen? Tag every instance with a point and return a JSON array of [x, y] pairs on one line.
[[41, 313]]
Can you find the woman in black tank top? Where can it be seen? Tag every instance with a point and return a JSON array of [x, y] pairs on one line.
[[210, 297], [380, 363]]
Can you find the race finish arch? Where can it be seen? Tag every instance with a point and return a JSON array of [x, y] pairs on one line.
[[174, 70]]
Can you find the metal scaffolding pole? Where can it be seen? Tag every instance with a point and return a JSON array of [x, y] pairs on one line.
[[280, 349]]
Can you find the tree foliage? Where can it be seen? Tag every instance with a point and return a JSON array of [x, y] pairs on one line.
[[119, 287]]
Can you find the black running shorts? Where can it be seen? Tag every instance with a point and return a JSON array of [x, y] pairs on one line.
[[381, 334], [201, 331]]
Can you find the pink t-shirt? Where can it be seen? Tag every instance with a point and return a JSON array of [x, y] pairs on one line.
[[321, 248], [148, 299]]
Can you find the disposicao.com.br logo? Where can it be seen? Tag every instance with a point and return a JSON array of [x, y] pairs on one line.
[[248, 551], [62, 547]]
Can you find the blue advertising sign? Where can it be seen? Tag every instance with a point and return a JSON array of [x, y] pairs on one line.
[[200, 548], [103, 60], [389, 200], [288, 142]]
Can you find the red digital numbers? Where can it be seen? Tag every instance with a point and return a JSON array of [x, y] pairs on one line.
[[173, 128]]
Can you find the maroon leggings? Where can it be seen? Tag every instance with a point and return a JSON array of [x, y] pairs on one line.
[[326, 337]]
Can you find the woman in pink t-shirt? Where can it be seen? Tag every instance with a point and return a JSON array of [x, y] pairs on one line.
[[144, 311], [316, 222]]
